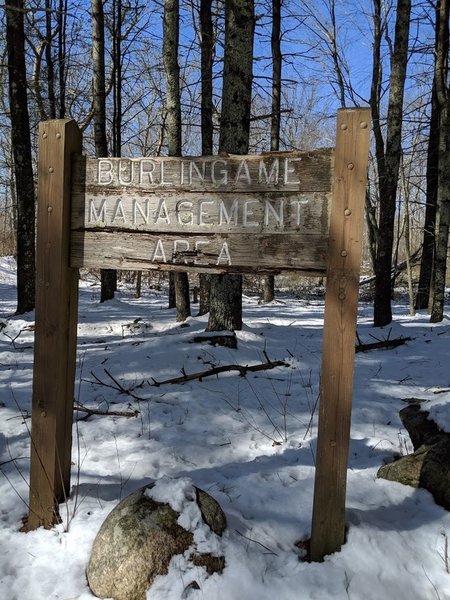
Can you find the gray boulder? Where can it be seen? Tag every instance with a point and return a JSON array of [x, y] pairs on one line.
[[407, 469], [428, 466], [137, 541]]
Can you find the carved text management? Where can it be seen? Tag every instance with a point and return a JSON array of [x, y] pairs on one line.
[[164, 213]]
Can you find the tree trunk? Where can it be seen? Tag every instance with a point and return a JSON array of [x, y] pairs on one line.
[[49, 60], [388, 167], [225, 311], [98, 80], [21, 142], [424, 297], [375, 99], [173, 104], [137, 293], [117, 78], [62, 21], [427, 261], [206, 68], [172, 299], [107, 276], [407, 239], [443, 192], [277, 63], [226, 290]]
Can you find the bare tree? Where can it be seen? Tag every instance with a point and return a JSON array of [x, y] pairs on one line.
[[443, 191], [108, 276], [98, 80], [61, 19], [275, 125], [207, 126], [226, 290], [388, 157], [173, 103], [427, 260], [21, 144]]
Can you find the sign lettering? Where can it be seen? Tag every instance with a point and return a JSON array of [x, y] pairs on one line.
[[269, 211]]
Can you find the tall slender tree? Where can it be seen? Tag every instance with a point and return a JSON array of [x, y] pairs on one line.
[[61, 19], [388, 157], [226, 290], [275, 120], [443, 190], [49, 60], [206, 69], [427, 259], [171, 26], [108, 276], [22, 156], [98, 80]]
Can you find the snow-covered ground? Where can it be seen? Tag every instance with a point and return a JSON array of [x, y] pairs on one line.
[[248, 441]]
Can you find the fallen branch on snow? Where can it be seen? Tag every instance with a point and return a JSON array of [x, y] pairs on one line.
[[105, 413], [116, 385], [243, 370], [382, 344]]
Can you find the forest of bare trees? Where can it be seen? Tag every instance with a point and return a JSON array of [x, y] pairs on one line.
[[241, 76]]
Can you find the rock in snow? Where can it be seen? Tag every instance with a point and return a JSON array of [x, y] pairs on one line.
[[428, 466], [140, 536]]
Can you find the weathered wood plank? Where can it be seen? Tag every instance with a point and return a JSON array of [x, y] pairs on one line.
[[283, 171], [56, 325], [349, 186], [217, 253], [167, 212], [209, 197]]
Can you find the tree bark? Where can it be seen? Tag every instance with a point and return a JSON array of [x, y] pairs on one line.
[[62, 22], [21, 142], [206, 68], [98, 81], [443, 192], [172, 300], [226, 290], [388, 167], [275, 121], [171, 26], [49, 60], [117, 78], [423, 296], [107, 276]]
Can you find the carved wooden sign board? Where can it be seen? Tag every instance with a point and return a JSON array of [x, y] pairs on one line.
[[295, 211], [237, 214]]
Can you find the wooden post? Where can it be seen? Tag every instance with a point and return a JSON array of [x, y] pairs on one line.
[[341, 305], [56, 326]]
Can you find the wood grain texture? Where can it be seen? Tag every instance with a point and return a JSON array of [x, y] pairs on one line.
[[247, 200], [283, 171], [218, 253], [342, 287], [56, 324], [195, 212]]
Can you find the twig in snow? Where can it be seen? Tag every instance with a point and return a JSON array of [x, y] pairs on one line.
[[256, 542], [105, 413]]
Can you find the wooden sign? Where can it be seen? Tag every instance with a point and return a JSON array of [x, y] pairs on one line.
[[229, 213], [251, 214]]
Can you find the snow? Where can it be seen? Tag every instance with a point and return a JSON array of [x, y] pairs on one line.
[[248, 441]]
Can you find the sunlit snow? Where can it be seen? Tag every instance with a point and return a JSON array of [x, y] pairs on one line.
[[248, 441]]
